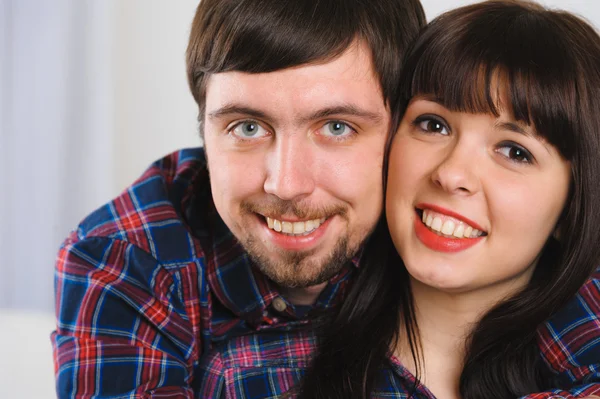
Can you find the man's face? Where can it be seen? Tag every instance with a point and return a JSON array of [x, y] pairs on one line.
[[295, 160]]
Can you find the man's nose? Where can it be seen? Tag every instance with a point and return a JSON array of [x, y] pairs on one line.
[[290, 168]]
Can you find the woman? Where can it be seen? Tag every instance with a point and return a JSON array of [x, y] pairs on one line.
[[491, 189]]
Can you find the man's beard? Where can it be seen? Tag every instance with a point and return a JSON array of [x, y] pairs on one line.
[[300, 269], [297, 269]]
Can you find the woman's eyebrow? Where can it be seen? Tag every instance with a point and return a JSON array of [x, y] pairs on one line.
[[513, 127], [527, 132], [428, 97]]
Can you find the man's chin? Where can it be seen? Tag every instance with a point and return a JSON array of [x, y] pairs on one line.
[[294, 274], [301, 269]]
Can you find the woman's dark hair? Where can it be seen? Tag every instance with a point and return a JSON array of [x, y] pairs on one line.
[[548, 64], [259, 36]]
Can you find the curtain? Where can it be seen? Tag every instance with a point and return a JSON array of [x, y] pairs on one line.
[[91, 92]]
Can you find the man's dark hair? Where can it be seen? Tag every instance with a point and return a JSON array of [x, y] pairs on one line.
[[258, 36]]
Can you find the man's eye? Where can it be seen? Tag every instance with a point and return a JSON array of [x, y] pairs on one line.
[[430, 124], [336, 129], [515, 153], [249, 129]]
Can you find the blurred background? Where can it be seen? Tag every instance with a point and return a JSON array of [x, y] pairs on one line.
[[91, 92]]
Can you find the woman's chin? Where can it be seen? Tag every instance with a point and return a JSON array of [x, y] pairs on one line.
[[450, 283]]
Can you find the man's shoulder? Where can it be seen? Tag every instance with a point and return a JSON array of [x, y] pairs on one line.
[[150, 213], [584, 307], [582, 312], [570, 340]]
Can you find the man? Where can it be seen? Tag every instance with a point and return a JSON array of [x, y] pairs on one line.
[[261, 230]]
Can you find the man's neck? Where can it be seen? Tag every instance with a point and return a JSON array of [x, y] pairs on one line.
[[304, 295]]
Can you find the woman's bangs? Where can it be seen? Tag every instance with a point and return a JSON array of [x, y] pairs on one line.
[[459, 86], [475, 72]]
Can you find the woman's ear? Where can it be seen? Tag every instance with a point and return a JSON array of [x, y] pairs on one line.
[[557, 233]]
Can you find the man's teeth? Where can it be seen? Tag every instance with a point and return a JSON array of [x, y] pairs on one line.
[[294, 228], [450, 227]]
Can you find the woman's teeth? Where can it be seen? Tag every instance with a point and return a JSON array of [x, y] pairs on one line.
[[294, 228], [449, 226]]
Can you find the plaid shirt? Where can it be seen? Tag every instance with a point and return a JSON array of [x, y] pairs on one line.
[[156, 299]]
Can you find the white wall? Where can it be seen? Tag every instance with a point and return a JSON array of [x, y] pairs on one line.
[[153, 106], [590, 9], [91, 92]]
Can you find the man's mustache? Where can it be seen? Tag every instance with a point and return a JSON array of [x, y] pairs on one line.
[[275, 208]]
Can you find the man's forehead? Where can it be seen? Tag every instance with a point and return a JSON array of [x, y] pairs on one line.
[[348, 82], [355, 64]]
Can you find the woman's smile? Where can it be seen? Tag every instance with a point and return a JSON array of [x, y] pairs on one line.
[[443, 230]]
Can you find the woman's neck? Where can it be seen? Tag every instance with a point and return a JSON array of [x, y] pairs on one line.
[[445, 321]]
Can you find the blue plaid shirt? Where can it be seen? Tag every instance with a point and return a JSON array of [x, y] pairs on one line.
[[156, 299]]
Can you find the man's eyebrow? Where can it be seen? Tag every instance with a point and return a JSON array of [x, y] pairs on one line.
[[234, 109], [345, 109]]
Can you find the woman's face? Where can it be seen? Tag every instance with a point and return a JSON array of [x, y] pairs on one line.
[[471, 198]]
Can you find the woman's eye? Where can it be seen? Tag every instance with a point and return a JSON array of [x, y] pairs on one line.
[[515, 153], [336, 129], [248, 130], [432, 125]]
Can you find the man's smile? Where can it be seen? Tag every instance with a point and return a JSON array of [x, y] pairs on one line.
[[294, 228]]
